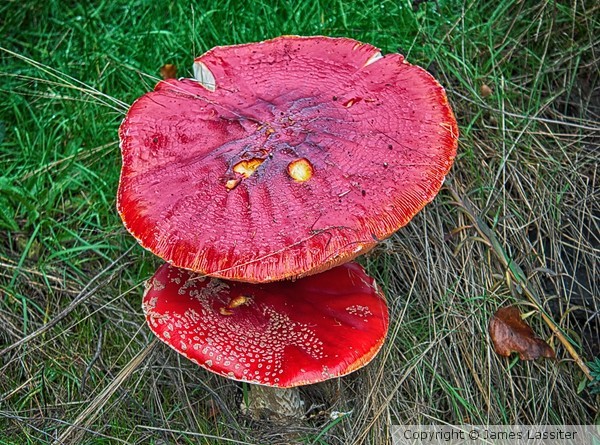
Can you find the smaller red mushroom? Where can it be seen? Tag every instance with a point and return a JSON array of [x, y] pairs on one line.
[[280, 334]]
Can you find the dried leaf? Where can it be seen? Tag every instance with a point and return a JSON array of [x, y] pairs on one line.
[[168, 71], [510, 334], [485, 91]]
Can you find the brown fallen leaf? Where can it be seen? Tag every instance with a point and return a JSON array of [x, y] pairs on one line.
[[168, 71], [510, 334], [485, 90]]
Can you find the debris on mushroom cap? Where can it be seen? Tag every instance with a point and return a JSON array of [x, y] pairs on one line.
[[284, 158], [280, 334]]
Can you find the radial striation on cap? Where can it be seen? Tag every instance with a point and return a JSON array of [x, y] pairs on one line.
[[284, 158]]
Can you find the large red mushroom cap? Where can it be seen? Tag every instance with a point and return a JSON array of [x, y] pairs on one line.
[[280, 334], [284, 158]]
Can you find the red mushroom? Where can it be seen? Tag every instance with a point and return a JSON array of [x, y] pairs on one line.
[[284, 158], [280, 334]]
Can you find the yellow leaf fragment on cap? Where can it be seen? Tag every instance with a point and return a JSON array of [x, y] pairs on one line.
[[246, 168], [235, 302], [238, 301], [300, 170], [232, 183]]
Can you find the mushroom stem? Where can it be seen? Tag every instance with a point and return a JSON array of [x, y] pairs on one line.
[[267, 402]]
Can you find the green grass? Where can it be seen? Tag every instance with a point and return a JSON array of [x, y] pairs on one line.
[[527, 160]]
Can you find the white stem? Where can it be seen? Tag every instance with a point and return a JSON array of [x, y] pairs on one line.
[[266, 401]]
